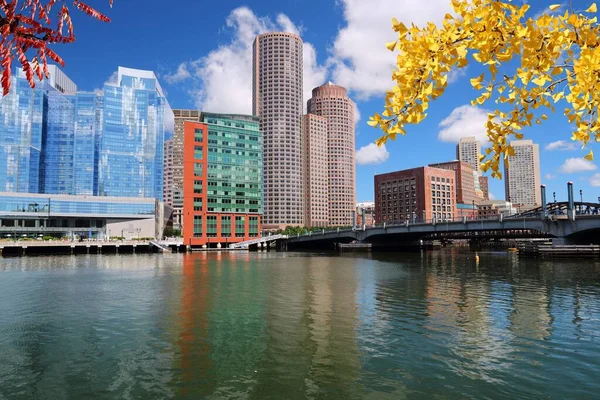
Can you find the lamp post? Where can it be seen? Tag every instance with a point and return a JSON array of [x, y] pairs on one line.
[[473, 209], [581, 195]]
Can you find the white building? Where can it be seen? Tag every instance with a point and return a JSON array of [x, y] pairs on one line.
[[522, 174], [468, 150]]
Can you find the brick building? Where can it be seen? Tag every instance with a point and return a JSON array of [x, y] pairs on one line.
[[416, 194]]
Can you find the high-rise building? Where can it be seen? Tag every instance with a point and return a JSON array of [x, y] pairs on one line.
[[277, 99], [57, 141], [484, 186], [222, 183], [315, 165], [173, 174], [417, 194], [522, 174], [22, 118], [468, 150], [132, 141], [465, 188], [332, 102]]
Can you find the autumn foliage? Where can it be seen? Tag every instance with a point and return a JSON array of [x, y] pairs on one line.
[[531, 66], [31, 26]]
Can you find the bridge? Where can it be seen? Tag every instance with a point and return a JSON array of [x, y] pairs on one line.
[[564, 224]]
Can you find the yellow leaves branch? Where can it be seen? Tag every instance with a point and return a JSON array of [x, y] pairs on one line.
[[551, 50]]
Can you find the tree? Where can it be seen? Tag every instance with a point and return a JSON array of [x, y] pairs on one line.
[[26, 25], [530, 65]]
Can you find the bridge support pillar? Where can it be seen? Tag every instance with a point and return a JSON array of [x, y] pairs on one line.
[[571, 205]]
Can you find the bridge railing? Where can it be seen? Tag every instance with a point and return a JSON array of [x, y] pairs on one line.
[[396, 223]]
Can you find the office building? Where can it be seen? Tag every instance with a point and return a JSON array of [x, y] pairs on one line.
[[465, 186], [468, 150], [56, 140], [315, 165], [79, 217], [22, 113], [332, 102], [277, 99], [418, 194], [492, 209], [522, 174], [223, 170], [484, 186], [173, 174]]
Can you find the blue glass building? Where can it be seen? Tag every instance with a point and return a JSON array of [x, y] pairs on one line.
[[22, 116], [57, 140]]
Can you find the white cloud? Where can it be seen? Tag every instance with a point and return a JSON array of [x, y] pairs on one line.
[[456, 74], [356, 114], [180, 75], [572, 165], [560, 145], [359, 59], [371, 154], [595, 180], [550, 176], [464, 121], [492, 196], [222, 80]]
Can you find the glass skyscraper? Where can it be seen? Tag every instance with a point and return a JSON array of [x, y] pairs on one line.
[[22, 116], [60, 141]]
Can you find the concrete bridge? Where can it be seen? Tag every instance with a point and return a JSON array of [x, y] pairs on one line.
[[584, 229]]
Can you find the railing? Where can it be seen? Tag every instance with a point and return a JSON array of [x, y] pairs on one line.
[[263, 239]]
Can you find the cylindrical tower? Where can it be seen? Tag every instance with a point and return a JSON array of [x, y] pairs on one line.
[[332, 101], [277, 100]]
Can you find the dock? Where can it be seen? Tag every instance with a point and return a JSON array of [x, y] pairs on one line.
[[354, 247], [550, 251]]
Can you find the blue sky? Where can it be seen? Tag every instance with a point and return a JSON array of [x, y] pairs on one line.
[[201, 52]]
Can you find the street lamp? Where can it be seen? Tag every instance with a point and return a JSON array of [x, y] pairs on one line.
[[581, 195], [473, 209]]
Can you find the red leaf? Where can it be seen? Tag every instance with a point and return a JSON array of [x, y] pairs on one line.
[[90, 11]]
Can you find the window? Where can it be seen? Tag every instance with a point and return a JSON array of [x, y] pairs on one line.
[[197, 225], [211, 226]]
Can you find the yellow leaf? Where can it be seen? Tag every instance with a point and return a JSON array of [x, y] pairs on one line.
[[476, 82], [592, 8], [554, 7], [391, 45], [372, 123], [590, 156]]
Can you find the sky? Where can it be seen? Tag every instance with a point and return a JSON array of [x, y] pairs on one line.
[[201, 52]]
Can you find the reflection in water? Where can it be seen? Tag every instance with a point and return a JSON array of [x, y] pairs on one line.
[[287, 325]]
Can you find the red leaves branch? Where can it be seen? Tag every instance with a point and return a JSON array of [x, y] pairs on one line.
[[28, 28]]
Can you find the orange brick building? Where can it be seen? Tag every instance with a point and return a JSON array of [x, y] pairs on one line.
[[222, 184]]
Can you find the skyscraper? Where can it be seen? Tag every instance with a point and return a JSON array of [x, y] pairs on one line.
[[468, 150], [316, 176], [56, 140], [22, 114], [522, 174], [332, 102], [173, 174], [277, 99], [132, 141]]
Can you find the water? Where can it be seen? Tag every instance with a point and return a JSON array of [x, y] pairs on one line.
[[296, 326]]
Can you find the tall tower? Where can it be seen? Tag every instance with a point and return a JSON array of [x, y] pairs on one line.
[[468, 150], [315, 167], [277, 100], [522, 174], [332, 102]]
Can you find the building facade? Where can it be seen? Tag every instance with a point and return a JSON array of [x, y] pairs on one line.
[[522, 174], [315, 169], [465, 185], [484, 186], [332, 102], [468, 150], [173, 175], [365, 209], [22, 118], [277, 85], [223, 172], [79, 217], [418, 194], [56, 140], [492, 209]]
